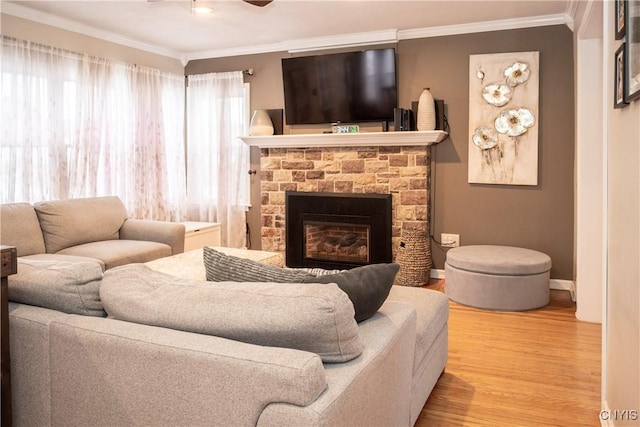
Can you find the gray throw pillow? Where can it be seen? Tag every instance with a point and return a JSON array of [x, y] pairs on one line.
[[221, 267], [367, 287]]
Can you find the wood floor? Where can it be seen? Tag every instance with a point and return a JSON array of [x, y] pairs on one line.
[[535, 368]]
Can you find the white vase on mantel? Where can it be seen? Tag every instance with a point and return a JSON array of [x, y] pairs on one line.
[[426, 111], [261, 124]]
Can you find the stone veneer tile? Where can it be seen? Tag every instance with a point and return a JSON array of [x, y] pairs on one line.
[[297, 165], [406, 213], [389, 150], [288, 186], [269, 186], [412, 171], [421, 213], [364, 178], [327, 165], [413, 197], [296, 154], [376, 166], [326, 186], [308, 186], [398, 160], [282, 175], [344, 186], [376, 188], [314, 174], [267, 221], [368, 154], [345, 154], [352, 166], [270, 163], [418, 183], [276, 198], [313, 155], [398, 184]]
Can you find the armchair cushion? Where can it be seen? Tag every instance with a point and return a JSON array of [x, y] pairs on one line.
[[19, 227], [73, 222], [115, 253]]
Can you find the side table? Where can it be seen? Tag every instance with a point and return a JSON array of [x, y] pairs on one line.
[[9, 266], [199, 234]]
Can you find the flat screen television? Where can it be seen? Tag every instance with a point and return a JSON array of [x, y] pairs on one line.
[[348, 87]]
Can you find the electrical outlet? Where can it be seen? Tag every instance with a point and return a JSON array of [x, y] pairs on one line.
[[449, 240]]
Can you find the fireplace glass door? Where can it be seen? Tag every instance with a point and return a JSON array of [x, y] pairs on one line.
[[336, 241]]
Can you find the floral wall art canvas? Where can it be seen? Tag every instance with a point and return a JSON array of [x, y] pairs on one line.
[[503, 118]]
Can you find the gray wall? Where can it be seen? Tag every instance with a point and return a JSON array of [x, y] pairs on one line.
[[540, 217]]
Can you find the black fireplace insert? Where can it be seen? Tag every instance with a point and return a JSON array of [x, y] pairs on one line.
[[337, 230]]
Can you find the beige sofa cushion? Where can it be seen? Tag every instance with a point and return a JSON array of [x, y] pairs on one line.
[[73, 222], [114, 253], [19, 227], [318, 318], [70, 287]]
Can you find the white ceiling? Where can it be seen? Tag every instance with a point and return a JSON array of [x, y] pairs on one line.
[[169, 28]]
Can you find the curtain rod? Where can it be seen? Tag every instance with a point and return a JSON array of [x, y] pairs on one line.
[[248, 72]]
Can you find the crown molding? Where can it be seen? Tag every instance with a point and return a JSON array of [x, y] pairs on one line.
[[297, 45], [570, 13], [304, 45], [481, 27], [343, 40], [87, 30], [384, 36]]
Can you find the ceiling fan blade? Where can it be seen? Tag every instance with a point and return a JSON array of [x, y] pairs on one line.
[[258, 3]]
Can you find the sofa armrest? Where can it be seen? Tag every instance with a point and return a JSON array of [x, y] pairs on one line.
[[169, 233], [110, 372]]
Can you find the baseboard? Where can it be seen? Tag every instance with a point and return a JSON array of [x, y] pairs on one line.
[[437, 274], [556, 284]]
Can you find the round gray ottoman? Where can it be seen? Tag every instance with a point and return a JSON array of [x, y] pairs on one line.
[[497, 277]]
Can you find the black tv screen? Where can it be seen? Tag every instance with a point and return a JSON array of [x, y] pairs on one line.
[[343, 87]]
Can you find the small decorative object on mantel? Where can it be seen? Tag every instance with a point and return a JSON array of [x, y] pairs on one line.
[[340, 128], [414, 258], [426, 111], [261, 124]]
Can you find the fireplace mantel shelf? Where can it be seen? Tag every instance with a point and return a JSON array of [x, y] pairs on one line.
[[360, 139]]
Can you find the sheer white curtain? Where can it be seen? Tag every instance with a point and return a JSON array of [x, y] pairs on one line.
[[217, 160], [80, 126]]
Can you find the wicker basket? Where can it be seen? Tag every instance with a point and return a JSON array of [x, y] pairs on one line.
[[414, 258]]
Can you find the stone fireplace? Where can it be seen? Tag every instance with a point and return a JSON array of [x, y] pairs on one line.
[[400, 171], [337, 230]]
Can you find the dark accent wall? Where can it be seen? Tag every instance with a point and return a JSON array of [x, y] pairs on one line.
[[539, 217]]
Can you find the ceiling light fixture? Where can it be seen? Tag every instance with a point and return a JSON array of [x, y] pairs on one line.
[[200, 9]]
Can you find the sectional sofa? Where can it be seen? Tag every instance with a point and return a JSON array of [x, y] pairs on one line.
[[138, 346]]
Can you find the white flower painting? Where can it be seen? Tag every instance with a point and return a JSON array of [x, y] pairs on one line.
[[503, 118]]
